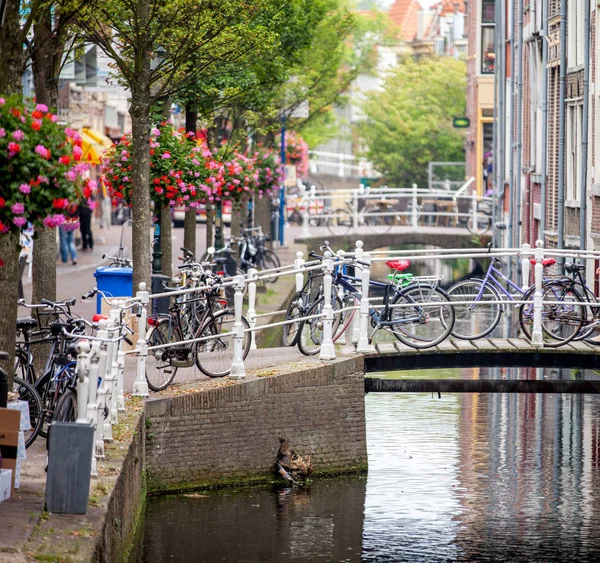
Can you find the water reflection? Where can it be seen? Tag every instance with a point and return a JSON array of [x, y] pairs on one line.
[[468, 477]]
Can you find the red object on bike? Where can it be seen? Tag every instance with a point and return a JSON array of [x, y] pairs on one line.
[[97, 317], [152, 321], [223, 302], [220, 273], [546, 262], [399, 265]]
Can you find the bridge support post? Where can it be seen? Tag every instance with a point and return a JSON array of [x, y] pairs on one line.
[[363, 336], [536, 334], [327, 347], [252, 304], [354, 326], [238, 370], [414, 205], [525, 266], [140, 385]]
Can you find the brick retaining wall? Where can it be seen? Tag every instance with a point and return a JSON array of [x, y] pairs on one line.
[[230, 433]]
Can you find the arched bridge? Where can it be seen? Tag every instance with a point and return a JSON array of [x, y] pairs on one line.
[[442, 237]]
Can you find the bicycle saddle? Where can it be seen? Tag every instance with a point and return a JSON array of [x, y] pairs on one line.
[[26, 323], [57, 328], [546, 262], [572, 267], [398, 265]]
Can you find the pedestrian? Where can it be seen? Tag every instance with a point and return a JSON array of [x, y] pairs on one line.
[[86, 208], [67, 243]]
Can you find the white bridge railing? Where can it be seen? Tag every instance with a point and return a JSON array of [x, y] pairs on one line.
[[101, 358], [384, 207]]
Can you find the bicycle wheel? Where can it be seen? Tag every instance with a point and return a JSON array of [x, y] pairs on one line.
[[484, 222], [426, 320], [66, 408], [159, 371], [479, 319], [339, 222], [290, 331], [592, 312], [345, 318], [379, 224], [28, 393], [561, 322], [311, 330], [271, 258], [215, 356]]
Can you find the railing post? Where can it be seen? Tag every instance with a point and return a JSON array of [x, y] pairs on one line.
[[525, 265], [305, 215], [354, 328], [298, 263], [414, 216], [92, 406], [101, 393], [363, 336], [238, 370], [140, 385], [474, 209], [83, 385], [355, 209], [342, 339], [252, 305], [327, 347], [120, 372], [537, 338]]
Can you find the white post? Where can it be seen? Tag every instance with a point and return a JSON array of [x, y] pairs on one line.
[[354, 327], [140, 385], [363, 336], [252, 305], [120, 393], [298, 263], [305, 215], [342, 339], [103, 367], [238, 371], [83, 385], [92, 407], [525, 265], [355, 209], [327, 347], [414, 216], [474, 209], [536, 334]]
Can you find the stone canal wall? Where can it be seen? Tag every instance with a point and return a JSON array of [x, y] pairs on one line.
[[230, 433]]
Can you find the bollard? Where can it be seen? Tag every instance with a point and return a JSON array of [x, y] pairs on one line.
[[92, 406], [327, 347], [354, 326], [252, 304], [363, 323], [238, 370], [83, 383], [140, 385], [414, 204], [525, 265], [537, 338]]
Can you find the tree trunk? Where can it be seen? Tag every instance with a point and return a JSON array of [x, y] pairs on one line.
[[189, 223], [141, 224], [166, 241], [189, 230], [210, 223], [262, 213], [236, 218], [9, 282], [12, 59]]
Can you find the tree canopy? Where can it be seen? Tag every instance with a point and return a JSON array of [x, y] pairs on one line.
[[409, 122]]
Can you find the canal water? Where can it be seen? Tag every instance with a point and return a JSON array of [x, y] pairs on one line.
[[464, 477]]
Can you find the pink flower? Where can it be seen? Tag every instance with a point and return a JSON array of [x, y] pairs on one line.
[[71, 175], [41, 107], [42, 151], [2, 101], [19, 221], [18, 208], [2, 132], [18, 135], [156, 132], [166, 155], [25, 188]]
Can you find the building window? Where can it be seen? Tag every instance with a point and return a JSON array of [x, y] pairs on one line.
[[488, 49], [574, 124], [488, 11]]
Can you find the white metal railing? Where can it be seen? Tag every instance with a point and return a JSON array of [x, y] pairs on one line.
[[340, 164], [349, 209]]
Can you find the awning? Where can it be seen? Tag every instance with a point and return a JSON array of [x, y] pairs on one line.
[[93, 144]]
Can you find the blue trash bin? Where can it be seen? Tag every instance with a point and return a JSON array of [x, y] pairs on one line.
[[115, 282]]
